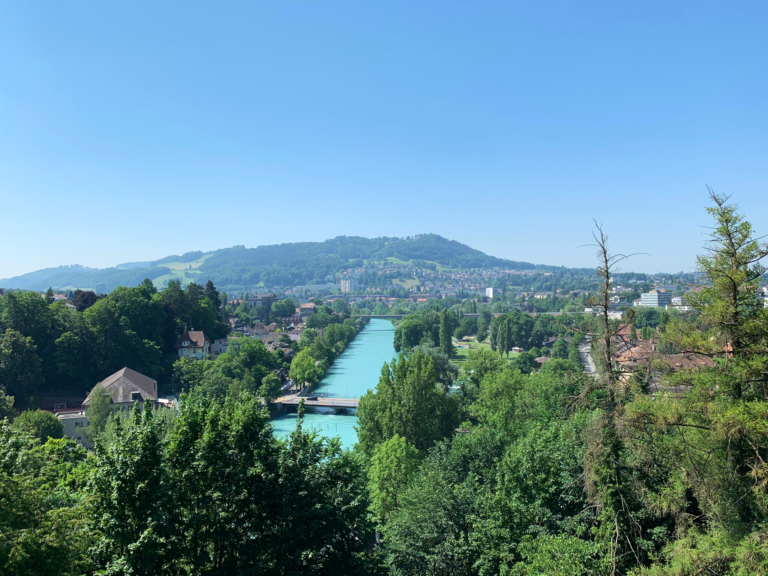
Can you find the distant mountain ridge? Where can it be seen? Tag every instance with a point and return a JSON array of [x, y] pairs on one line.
[[291, 264]]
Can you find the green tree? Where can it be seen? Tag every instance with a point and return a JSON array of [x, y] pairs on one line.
[[20, 367], [44, 527], [213, 295], [503, 340], [148, 286], [444, 524], [560, 349], [559, 555], [446, 343], [446, 372], [467, 326], [340, 306], [98, 411], [734, 320], [410, 332], [303, 370], [131, 501], [283, 308], [393, 464], [6, 406], [270, 387], [479, 362], [632, 332], [40, 424], [407, 402]]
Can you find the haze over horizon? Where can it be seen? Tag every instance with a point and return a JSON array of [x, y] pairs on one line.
[[133, 132]]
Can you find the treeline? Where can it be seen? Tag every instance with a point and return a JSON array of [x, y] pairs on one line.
[[504, 331], [294, 264], [47, 349], [249, 367], [553, 472], [559, 473], [214, 492], [327, 335]]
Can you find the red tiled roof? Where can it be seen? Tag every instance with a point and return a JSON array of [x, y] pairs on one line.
[[196, 339]]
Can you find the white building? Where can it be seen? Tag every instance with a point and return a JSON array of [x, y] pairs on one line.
[[220, 346], [349, 285], [491, 292], [193, 344], [75, 424], [655, 299]]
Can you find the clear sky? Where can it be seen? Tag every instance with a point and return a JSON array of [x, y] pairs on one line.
[[134, 130]]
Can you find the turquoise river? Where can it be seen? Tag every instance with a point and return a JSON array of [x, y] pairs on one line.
[[354, 372]]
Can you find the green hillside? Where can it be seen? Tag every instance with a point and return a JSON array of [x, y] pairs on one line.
[[292, 264]]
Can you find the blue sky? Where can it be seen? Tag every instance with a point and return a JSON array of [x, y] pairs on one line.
[[134, 130]]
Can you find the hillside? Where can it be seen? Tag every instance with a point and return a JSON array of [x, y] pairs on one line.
[[291, 264]]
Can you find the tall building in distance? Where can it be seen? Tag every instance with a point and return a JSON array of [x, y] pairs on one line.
[[655, 299], [491, 292], [349, 285]]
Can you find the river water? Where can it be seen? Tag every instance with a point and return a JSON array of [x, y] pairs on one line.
[[353, 373]]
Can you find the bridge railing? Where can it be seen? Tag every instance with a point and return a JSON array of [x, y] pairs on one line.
[[332, 395]]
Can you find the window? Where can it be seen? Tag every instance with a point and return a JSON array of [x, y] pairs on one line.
[[135, 396], [185, 343]]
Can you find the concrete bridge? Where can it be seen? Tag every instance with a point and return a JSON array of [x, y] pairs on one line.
[[319, 400], [399, 316]]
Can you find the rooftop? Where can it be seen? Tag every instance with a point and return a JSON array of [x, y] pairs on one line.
[[122, 383]]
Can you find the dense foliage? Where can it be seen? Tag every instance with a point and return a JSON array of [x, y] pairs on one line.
[[520, 472], [47, 349]]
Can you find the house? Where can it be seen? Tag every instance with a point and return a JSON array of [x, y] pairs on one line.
[[306, 309], [262, 301], [220, 346], [642, 355], [193, 344], [127, 387], [75, 422]]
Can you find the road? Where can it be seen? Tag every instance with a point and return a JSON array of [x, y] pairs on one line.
[[586, 359]]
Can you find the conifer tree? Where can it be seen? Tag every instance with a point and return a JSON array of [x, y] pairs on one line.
[[735, 321], [446, 345]]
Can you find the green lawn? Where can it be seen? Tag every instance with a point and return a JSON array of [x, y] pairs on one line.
[[184, 271], [440, 267], [408, 283], [462, 353]]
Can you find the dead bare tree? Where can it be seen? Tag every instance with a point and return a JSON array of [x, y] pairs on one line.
[[606, 480]]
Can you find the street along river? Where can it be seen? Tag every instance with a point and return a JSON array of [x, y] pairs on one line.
[[354, 372]]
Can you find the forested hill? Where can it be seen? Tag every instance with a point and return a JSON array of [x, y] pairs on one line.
[[290, 264]]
